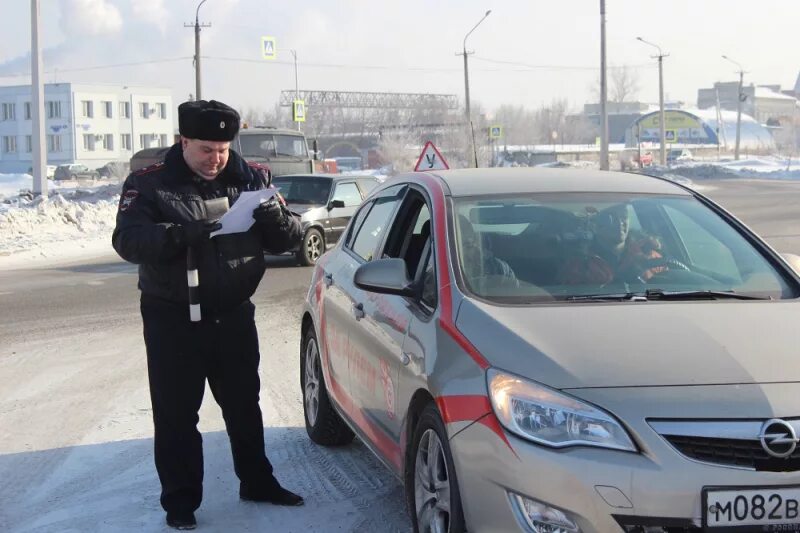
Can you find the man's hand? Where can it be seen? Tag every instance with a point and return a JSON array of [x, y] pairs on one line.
[[270, 215], [195, 232]]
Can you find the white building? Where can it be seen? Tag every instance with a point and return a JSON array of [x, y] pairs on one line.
[[84, 123]]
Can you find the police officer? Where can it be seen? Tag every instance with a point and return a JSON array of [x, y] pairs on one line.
[[163, 213]]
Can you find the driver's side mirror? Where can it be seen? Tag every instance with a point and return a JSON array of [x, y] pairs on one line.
[[385, 276], [333, 204]]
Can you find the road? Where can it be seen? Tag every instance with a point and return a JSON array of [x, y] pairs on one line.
[[76, 439]]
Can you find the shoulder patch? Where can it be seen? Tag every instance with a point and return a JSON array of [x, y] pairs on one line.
[[147, 170], [127, 199]]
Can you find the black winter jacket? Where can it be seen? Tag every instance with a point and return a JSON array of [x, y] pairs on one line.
[[156, 199]]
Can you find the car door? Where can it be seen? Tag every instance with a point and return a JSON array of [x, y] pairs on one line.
[[347, 192], [348, 309], [382, 329]]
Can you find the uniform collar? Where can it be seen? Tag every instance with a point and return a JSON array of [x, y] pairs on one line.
[[234, 171]]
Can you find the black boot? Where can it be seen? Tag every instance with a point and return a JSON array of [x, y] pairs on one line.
[[275, 494], [181, 520]]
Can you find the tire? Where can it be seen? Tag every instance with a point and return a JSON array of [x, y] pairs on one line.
[[323, 424], [312, 247], [73, 176], [442, 506]]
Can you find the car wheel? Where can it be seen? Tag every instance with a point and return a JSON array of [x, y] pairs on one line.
[[323, 424], [73, 177], [312, 248], [431, 484]]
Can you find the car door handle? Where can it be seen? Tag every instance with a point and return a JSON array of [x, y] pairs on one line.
[[328, 279], [407, 357], [358, 310]]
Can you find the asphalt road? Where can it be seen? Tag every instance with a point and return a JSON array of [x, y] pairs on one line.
[[72, 373]]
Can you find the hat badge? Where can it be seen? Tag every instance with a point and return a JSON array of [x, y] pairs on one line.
[[222, 125]]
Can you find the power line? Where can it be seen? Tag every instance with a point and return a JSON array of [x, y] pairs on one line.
[[101, 67]]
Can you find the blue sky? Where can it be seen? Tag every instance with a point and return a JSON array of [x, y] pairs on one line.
[[407, 46]]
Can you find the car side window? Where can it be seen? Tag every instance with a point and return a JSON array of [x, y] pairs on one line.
[[348, 193], [430, 296], [374, 227]]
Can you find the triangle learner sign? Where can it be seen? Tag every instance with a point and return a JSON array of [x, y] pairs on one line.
[[430, 159]]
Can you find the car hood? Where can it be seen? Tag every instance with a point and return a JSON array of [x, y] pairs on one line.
[[639, 343], [301, 209]]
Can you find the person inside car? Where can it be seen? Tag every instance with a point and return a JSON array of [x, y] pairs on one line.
[[479, 262], [615, 253]]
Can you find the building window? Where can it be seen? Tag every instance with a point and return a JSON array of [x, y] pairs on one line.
[[9, 111], [9, 144], [27, 110], [125, 110], [144, 140], [144, 110], [162, 110], [163, 139], [109, 111], [28, 144], [108, 141], [88, 142], [125, 141], [53, 109], [88, 108], [54, 143]]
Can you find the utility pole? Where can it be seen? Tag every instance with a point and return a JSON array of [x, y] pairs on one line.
[[197, 26], [38, 160], [296, 86], [662, 125], [472, 149], [603, 91], [739, 100]]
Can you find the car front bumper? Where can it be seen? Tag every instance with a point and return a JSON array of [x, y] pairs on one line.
[[599, 489]]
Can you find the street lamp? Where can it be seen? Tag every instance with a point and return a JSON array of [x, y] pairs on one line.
[[296, 87], [197, 27], [739, 99], [473, 151], [603, 91], [662, 132]]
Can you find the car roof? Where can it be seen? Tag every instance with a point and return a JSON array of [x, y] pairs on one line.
[[261, 129], [335, 177], [480, 181]]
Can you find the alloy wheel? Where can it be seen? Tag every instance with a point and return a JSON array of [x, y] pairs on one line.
[[313, 247], [312, 373], [431, 485]]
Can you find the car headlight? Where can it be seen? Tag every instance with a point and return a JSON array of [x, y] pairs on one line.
[[548, 417]]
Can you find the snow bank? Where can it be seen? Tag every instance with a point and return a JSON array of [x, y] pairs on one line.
[[753, 168], [71, 222]]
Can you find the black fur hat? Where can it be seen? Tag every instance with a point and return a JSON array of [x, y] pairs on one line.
[[208, 121]]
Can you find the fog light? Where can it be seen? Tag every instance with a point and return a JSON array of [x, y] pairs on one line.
[[542, 518]]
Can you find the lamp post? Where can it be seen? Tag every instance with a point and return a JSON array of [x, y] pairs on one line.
[[296, 86], [39, 156], [197, 26], [739, 99], [473, 152], [662, 126], [603, 91]]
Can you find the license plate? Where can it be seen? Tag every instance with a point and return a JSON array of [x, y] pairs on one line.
[[733, 508]]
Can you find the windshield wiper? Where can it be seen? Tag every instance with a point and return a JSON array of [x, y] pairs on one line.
[[620, 297], [660, 294]]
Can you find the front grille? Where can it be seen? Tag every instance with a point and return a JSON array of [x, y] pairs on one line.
[[650, 524], [734, 452]]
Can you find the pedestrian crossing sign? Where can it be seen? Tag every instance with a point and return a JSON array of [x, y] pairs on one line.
[[495, 132], [268, 48], [299, 111]]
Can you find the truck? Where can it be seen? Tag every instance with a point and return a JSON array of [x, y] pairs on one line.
[[284, 151]]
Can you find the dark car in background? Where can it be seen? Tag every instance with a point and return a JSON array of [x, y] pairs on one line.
[[325, 203], [74, 171]]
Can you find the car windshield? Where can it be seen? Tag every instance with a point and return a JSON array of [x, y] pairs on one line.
[[270, 145], [583, 247], [304, 189]]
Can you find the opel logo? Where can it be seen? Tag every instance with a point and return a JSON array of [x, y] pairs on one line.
[[778, 438]]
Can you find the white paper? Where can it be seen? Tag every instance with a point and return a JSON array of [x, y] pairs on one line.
[[240, 216]]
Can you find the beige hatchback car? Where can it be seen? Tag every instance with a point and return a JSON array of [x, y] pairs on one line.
[[546, 350]]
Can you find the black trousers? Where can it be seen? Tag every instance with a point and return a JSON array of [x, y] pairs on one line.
[[181, 356]]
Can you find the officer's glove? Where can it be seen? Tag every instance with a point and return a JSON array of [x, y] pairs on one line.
[[195, 232], [270, 215]]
